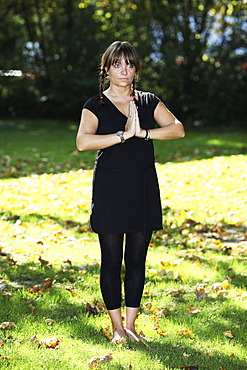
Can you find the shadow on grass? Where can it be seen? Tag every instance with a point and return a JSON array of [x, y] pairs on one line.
[[36, 217]]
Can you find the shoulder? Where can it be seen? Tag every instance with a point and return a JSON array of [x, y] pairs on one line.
[[91, 101], [147, 98], [93, 105]]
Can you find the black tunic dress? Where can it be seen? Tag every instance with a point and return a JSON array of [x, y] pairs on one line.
[[126, 195]]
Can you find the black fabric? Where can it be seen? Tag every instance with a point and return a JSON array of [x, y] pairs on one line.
[[126, 194], [136, 245]]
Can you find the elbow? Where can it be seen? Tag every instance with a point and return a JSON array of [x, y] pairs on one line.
[[180, 131], [80, 144], [81, 147], [182, 134]]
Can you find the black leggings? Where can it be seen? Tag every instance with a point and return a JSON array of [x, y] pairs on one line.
[[136, 246]]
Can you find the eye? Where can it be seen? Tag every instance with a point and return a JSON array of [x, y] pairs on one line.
[[130, 65], [116, 65]]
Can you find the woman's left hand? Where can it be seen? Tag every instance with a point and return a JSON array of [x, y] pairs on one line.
[[139, 132]]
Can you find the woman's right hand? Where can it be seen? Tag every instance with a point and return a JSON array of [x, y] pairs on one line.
[[130, 127]]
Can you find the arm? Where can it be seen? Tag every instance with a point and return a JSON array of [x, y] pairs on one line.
[[87, 139], [170, 127]]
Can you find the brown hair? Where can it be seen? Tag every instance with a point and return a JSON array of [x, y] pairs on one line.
[[112, 54]]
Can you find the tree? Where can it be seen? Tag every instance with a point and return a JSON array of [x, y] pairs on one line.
[[190, 51]]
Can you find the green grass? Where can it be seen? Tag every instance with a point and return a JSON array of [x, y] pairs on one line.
[[49, 146], [203, 192]]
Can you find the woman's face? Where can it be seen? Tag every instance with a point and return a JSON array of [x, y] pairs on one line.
[[121, 73]]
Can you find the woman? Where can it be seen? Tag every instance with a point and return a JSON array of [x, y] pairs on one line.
[[120, 123]]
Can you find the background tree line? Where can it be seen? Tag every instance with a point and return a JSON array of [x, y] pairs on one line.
[[193, 55]]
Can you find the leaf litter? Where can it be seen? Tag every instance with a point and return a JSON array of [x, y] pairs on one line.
[[222, 232]]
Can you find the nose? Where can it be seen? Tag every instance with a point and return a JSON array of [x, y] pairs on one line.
[[124, 69]]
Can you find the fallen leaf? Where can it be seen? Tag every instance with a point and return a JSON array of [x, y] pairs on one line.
[[43, 262], [48, 282], [49, 321], [184, 332], [162, 332], [35, 289], [162, 313], [107, 332], [154, 310], [7, 295], [33, 309], [175, 293], [148, 305], [68, 261], [192, 310], [34, 338], [94, 360], [49, 343], [186, 355], [69, 288], [201, 294], [11, 260], [7, 325], [220, 286], [229, 334], [95, 308]]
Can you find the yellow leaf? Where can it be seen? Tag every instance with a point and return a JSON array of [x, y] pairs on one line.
[[229, 334], [162, 332], [225, 284], [153, 309], [185, 232]]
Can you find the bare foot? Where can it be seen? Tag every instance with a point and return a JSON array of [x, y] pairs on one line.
[[119, 337], [133, 336]]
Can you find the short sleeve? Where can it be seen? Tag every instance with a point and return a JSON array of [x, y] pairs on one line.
[[153, 100], [148, 99], [93, 105]]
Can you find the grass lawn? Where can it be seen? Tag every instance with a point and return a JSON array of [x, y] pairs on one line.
[[193, 310]]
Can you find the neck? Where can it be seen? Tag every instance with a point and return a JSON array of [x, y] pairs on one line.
[[119, 91]]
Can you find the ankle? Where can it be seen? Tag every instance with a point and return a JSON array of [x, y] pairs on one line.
[[130, 327], [118, 330]]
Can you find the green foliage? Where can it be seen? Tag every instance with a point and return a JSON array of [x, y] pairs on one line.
[[192, 53]]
